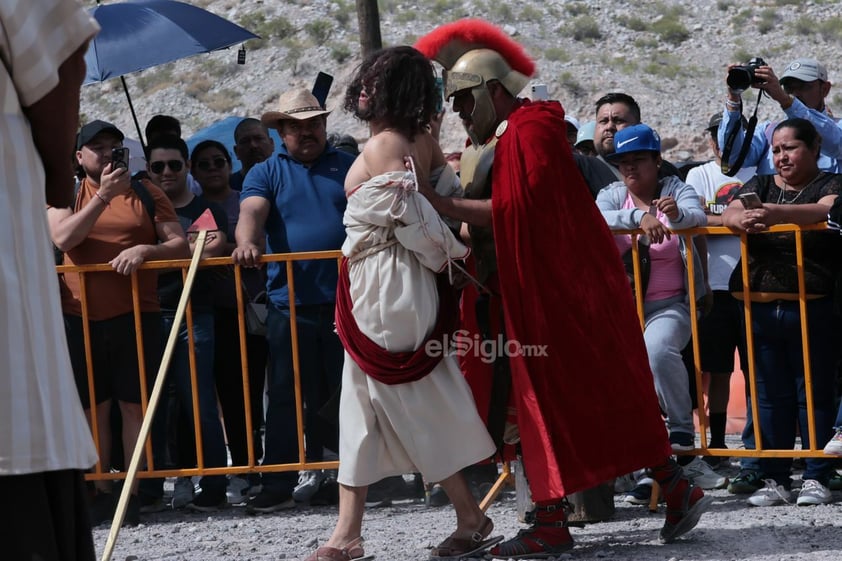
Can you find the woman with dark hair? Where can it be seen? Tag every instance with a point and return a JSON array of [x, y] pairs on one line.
[[799, 194], [405, 406], [210, 164]]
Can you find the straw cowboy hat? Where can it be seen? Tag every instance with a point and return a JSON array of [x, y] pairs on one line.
[[298, 104]]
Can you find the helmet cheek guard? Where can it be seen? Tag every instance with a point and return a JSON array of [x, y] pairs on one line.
[[474, 70], [474, 53]]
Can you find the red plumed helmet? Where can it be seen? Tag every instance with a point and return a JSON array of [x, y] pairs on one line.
[[475, 51]]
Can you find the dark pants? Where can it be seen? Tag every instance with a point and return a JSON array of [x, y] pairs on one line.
[[178, 374], [320, 357], [46, 517], [781, 391], [228, 374]]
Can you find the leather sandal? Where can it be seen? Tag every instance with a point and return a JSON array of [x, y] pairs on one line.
[[456, 548], [352, 551]]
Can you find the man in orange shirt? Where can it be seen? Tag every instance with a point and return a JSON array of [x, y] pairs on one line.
[[109, 223]]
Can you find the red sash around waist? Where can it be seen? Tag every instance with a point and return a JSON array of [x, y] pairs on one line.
[[384, 366]]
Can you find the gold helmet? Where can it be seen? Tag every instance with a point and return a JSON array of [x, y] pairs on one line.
[[474, 53]]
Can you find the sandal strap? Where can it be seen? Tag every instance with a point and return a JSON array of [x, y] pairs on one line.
[[453, 546], [356, 542]]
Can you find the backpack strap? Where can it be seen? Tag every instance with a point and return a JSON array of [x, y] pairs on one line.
[[145, 197], [58, 254]]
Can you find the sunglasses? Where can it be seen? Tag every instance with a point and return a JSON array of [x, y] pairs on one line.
[[158, 167], [205, 165]]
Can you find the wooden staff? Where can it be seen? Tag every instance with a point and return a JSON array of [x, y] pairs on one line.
[[131, 475]]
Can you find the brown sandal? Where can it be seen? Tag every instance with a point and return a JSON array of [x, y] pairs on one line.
[[353, 551], [455, 548]]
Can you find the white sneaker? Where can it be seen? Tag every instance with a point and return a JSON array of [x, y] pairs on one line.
[[238, 490], [813, 493], [770, 495], [308, 484], [183, 492], [834, 445], [702, 475]]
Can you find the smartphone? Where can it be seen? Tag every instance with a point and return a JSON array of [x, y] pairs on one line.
[[540, 92], [751, 200], [119, 158], [321, 87], [439, 94]]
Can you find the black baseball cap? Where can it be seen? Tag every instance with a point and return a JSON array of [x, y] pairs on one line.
[[90, 130], [715, 119]]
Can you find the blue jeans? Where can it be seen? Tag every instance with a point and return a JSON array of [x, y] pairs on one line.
[[666, 332], [320, 356], [781, 392], [213, 441]]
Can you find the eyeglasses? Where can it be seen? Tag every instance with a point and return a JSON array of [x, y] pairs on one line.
[[218, 163], [158, 167]]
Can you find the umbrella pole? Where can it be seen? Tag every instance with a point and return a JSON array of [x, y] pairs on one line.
[[134, 115]]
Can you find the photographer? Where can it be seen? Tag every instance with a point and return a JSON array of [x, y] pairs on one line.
[[800, 91]]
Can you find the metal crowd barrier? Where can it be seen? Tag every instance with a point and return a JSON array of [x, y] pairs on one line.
[[252, 467], [98, 473], [815, 450]]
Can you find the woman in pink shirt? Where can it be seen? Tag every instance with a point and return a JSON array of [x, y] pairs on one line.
[[658, 207]]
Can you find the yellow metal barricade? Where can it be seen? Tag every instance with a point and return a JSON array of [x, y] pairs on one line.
[[815, 450], [100, 472]]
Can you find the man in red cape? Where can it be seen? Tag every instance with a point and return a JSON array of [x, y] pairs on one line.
[[580, 378]]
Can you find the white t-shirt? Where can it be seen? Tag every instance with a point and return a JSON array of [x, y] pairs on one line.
[[43, 426], [717, 190]]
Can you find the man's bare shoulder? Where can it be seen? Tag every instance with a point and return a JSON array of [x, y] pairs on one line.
[[385, 152], [388, 141]]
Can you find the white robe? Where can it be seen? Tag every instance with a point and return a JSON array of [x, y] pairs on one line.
[[396, 243]]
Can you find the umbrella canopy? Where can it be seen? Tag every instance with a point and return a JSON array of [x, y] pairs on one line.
[[141, 34], [223, 132]]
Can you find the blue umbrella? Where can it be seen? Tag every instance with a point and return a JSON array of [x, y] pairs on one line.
[[141, 34], [223, 132]]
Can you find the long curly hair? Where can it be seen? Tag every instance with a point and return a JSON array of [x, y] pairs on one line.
[[401, 87]]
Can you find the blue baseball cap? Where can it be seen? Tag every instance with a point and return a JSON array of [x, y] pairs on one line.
[[637, 138]]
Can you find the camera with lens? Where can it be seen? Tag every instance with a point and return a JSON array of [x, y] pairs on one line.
[[740, 78]]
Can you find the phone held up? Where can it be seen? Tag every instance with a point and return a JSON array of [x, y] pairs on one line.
[[119, 158], [751, 200], [540, 92]]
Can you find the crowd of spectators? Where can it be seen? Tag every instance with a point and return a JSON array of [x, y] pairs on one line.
[[289, 198]]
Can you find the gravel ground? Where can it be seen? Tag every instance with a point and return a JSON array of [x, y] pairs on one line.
[[407, 530]]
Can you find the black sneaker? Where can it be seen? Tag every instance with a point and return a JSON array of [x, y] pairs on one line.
[[149, 504], [327, 494], [640, 494], [207, 501], [747, 482], [267, 501], [382, 493], [438, 497], [132, 517], [682, 441], [101, 508]]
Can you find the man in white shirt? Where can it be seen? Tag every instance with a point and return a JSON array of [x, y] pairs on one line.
[[721, 331]]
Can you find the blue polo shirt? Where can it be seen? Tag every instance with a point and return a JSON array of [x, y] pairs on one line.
[[307, 205]]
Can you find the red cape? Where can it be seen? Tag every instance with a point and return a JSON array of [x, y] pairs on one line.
[[587, 411]]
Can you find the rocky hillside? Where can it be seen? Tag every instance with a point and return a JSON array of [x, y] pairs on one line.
[[670, 55]]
